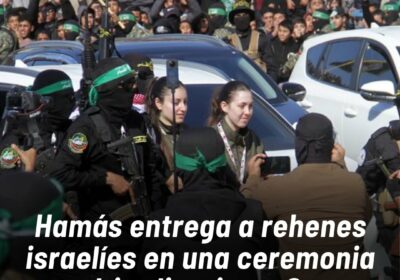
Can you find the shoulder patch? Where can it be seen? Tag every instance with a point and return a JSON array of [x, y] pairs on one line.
[[8, 158], [78, 143], [140, 139], [361, 157]]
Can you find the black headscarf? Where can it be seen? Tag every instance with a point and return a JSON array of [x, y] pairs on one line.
[[204, 146], [314, 139], [320, 19]]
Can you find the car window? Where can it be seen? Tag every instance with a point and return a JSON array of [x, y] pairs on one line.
[[313, 61], [340, 62], [273, 132], [376, 66]]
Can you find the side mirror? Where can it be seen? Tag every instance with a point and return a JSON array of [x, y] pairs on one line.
[[378, 91], [293, 90]]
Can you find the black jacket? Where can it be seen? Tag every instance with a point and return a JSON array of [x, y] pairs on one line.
[[380, 145], [210, 203], [276, 56], [81, 165]]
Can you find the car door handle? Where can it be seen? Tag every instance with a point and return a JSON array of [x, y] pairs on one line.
[[306, 104], [349, 112]]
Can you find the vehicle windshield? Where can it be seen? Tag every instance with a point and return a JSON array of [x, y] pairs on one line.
[[238, 68], [270, 128]]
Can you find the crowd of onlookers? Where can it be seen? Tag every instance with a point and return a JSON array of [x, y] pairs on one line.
[[27, 20]]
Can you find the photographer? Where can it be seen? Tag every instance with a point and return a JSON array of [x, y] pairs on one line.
[[19, 126], [319, 188]]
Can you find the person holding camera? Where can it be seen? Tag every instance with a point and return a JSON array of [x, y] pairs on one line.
[[378, 160], [231, 112], [160, 110], [51, 103], [320, 188]]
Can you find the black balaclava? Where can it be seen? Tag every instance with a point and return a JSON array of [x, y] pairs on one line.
[[217, 14], [391, 12], [201, 161], [56, 86], [71, 30], [22, 197], [314, 139], [320, 19], [242, 23], [129, 21], [111, 90]]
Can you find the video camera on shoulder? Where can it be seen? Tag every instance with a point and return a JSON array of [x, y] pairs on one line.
[[22, 102], [22, 110]]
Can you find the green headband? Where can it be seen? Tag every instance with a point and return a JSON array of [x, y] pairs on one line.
[[71, 27], [56, 87], [320, 15], [217, 11], [27, 226], [199, 161], [389, 7], [128, 17], [113, 74]]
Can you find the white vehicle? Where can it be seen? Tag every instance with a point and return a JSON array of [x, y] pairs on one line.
[[336, 68]]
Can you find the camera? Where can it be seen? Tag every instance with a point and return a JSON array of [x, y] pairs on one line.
[[275, 165], [172, 74], [23, 109], [21, 101]]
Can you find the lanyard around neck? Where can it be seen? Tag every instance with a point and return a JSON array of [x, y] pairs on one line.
[[230, 153]]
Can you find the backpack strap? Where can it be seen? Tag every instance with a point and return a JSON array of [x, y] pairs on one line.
[[235, 41], [253, 46]]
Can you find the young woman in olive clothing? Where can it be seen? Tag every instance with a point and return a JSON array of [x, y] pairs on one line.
[[231, 112]]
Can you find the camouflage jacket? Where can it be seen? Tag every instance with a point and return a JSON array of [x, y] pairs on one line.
[[223, 33], [8, 43], [138, 32]]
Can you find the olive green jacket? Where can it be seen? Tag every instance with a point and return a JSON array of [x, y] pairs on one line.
[[237, 141]]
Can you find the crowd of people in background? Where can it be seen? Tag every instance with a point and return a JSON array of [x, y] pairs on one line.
[[270, 31]]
